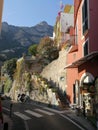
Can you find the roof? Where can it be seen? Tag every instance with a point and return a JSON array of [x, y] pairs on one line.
[[83, 60]]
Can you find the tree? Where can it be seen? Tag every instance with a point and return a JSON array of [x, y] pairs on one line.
[[7, 85], [33, 49], [9, 67], [47, 49], [45, 44]]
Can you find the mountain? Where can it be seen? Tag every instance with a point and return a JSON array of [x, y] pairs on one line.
[[15, 40]]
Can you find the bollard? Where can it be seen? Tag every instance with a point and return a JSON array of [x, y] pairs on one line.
[[11, 105], [5, 126]]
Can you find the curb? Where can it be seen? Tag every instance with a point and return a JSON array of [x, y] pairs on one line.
[[8, 120], [88, 126]]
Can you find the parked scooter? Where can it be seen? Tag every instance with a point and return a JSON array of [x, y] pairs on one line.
[[23, 98]]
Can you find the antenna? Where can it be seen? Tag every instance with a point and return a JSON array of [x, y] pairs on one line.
[[61, 5]]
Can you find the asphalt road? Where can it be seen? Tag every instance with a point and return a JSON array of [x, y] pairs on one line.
[[29, 116]]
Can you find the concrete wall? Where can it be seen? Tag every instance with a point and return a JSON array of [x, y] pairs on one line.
[[55, 72]]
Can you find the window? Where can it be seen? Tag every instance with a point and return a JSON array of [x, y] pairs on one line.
[[84, 16], [86, 48]]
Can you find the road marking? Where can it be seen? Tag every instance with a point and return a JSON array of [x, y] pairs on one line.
[[45, 112], [21, 115], [72, 121], [26, 125], [53, 110], [5, 108], [33, 113]]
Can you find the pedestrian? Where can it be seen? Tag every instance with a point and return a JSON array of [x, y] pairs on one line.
[[11, 105], [84, 113], [18, 97]]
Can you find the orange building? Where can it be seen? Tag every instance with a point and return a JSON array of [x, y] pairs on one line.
[[82, 60]]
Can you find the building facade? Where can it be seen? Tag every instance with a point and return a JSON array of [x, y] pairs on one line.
[[82, 57], [64, 20]]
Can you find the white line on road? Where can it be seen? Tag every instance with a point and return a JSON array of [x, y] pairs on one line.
[[45, 112], [72, 121], [50, 109], [5, 108], [33, 113], [26, 125], [53, 110], [24, 117]]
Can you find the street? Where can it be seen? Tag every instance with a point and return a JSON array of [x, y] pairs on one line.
[[29, 116]]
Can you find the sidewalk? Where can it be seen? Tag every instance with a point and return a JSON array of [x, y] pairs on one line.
[[85, 123]]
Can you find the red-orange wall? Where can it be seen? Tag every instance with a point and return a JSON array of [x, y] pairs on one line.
[[93, 31], [90, 66], [92, 35], [76, 7], [71, 77]]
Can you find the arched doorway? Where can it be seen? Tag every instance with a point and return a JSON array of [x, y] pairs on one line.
[[87, 92]]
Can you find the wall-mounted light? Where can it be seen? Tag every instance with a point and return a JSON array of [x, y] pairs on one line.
[[62, 78]]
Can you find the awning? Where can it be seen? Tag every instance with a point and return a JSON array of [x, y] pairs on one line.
[[82, 60], [73, 49]]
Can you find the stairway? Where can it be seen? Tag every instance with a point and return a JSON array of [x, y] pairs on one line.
[[63, 104]]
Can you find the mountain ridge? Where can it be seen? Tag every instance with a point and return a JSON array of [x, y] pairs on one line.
[[19, 38]]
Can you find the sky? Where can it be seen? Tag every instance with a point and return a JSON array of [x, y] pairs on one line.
[[31, 12]]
